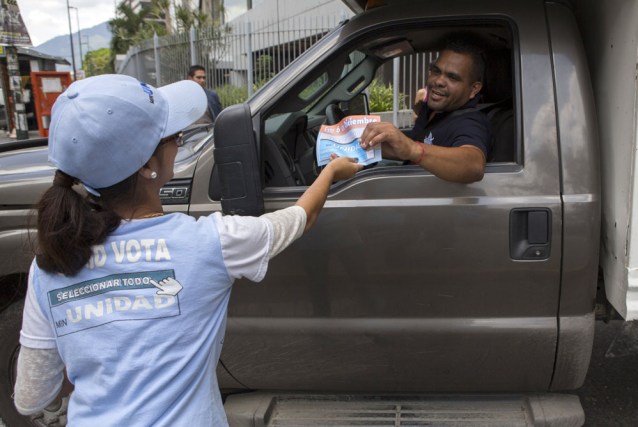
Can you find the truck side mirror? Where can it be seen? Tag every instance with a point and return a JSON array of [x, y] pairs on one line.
[[237, 162]]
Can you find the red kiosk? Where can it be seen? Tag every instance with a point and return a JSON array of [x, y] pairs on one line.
[[47, 86]]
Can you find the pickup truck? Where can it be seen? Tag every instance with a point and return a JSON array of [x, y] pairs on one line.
[[413, 298]]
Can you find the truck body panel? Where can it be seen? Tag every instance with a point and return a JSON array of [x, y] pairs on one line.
[[580, 179], [610, 36], [427, 266]]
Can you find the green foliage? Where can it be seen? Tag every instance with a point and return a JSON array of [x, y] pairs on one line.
[[229, 94], [98, 62], [187, 18], [130, 28], [381, 97], [263, 70]]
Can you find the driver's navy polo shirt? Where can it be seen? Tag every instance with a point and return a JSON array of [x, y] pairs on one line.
[[465, 126]]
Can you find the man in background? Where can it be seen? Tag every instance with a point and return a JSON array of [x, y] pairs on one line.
[[197, 73]]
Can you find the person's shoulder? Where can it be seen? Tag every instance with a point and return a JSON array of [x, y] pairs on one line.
[[476, 114], [470, 107], [472, 121], [470, 112]]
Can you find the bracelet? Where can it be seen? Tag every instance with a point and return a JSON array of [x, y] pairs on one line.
[[422, 154]]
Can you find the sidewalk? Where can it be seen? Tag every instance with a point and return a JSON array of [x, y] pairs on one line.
[[4, 136]]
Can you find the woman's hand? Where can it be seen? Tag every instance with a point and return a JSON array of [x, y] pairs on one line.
[[343, 167]]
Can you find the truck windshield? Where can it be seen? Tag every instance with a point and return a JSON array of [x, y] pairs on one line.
[[290, 74]]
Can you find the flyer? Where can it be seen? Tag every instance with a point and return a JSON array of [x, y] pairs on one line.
[[343, 140]]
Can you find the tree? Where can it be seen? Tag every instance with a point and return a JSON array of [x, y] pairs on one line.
[[187, 18], [160, 14], [98, 62], [124, 28], [129, 28]]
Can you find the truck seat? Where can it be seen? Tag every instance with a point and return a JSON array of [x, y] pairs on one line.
[[503, 142], [497, 95]]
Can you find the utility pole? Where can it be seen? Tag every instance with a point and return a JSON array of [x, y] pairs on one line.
[[77, 18], [68, 14]]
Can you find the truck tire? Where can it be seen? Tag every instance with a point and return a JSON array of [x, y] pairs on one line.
[[10, 325]]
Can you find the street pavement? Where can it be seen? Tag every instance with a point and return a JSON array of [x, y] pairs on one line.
[[610, 393], [4, 135]]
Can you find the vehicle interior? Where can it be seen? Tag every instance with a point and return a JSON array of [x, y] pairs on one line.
[[339, 87]]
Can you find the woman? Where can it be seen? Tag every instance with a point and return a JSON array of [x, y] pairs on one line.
[[129, 301]]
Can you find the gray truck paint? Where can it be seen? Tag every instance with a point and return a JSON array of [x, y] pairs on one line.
[[410, 277]]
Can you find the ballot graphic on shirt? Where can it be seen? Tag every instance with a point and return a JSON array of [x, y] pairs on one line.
[[342, 139], [118, 297]]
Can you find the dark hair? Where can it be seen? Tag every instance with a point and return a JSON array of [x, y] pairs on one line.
[[460, 43], [70, 224], [193, 68]]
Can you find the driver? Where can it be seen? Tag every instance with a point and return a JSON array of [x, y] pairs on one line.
[[450, 138]]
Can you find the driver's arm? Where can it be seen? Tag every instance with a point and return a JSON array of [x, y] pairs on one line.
[[464, 164]]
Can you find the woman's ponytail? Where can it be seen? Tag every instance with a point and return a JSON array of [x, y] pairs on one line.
[[68, 227]]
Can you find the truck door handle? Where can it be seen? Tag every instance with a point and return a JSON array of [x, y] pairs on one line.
[[530, 233]]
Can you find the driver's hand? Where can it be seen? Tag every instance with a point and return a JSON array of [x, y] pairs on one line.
[[395, 144]]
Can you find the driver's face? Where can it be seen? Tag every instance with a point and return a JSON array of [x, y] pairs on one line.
[[450, 83]]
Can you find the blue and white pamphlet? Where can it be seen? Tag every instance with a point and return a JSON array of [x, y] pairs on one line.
[[343, 140]]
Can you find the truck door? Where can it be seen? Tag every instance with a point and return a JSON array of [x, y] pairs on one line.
[[408, 282]]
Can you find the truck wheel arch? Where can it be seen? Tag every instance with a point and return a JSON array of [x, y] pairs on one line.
[[10, 324]]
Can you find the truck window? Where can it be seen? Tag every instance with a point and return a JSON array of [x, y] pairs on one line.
[[314, 88], [361, 68]]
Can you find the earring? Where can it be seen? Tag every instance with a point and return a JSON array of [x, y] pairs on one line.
[[153, 175]]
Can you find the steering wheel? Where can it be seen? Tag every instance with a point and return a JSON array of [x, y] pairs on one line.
[[334, 114]]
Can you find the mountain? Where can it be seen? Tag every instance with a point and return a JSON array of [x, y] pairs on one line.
[[93, 38]]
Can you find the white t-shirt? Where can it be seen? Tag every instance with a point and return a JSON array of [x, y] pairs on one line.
[[140, 328]]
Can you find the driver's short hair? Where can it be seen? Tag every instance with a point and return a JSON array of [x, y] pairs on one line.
[[461, 43]]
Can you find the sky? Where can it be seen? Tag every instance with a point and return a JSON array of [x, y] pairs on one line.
[[46, 19]]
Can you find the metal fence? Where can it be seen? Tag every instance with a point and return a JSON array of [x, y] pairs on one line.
[[270, 46], [224, 53]]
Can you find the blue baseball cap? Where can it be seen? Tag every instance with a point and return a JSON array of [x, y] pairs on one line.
[[105, 128]]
